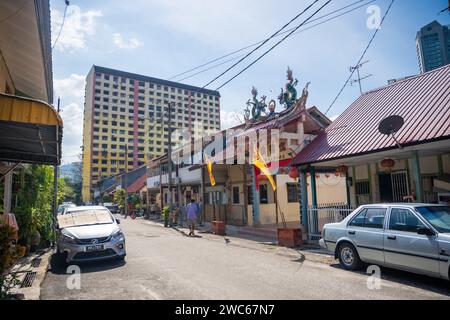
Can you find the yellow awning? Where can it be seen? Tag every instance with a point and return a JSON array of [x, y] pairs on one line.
[[30, 131], [20, 109]]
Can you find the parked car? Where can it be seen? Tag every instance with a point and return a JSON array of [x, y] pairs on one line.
[[114, 208], [406, 236], [62, 208], [89, 233]]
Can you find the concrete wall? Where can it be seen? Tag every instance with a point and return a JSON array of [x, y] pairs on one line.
[[87, 137]]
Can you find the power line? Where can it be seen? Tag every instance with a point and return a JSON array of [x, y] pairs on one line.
[[214, 66], [273, 47], [263, 43], [362, 56], [280, 34], [62, 24]]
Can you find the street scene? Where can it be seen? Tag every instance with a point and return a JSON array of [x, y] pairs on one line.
[[225, 150], [240, 269]]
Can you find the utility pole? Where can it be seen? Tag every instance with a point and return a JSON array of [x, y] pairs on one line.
[[55, 183], [169, 158], [126, 180], [357, 67]]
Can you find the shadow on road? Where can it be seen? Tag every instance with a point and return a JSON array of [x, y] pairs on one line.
[[56, 267], [423, 282]]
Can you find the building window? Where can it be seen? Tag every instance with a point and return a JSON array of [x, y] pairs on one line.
[[362, 191], [292, 192], [236, 199]]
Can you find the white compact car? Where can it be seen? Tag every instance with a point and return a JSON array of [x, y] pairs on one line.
[[407, 236], [89, 233]]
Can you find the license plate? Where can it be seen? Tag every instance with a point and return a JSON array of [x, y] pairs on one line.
[[97, 247]]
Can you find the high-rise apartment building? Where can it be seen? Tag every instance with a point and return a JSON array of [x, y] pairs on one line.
[[433, 46], [126, 111]]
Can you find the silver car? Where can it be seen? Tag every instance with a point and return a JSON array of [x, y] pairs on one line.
[[89, 233], [406, 236]]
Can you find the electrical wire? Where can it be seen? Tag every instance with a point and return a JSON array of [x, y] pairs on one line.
[[263, 43], [273, 47], [62, 24], [280, 34], [362, 56]]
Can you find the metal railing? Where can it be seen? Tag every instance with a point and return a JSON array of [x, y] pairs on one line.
[[325, 213]]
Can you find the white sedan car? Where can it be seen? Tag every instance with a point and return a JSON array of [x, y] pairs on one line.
[[406, 236], [89, 233]]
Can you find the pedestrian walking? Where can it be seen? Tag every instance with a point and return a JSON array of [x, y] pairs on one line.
[[192, 213]]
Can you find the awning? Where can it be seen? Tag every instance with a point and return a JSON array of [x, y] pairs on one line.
[[30, 131]]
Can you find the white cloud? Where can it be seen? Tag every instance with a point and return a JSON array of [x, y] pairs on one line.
[[77, 27], [230, 119], [72, 86], [72, 115], [132, 43]]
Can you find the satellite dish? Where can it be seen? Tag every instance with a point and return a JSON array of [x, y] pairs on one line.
[[391, 125]]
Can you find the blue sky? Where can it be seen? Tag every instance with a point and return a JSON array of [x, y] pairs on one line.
[[161, 38]]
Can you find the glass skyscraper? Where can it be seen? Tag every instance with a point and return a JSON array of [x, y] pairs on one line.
[[433, 46]]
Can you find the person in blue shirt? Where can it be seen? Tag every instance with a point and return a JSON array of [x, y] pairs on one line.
[[192, 214]]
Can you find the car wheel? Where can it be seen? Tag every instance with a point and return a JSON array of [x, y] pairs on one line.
[[60, 259], [348, 256]]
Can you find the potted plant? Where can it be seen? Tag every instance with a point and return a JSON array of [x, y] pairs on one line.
[[165, 213], [35, 240]]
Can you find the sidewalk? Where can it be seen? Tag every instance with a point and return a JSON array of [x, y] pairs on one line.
[[307, 252], [31, 271]]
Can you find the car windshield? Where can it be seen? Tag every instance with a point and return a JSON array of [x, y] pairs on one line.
[[437, 216], [86, 217]]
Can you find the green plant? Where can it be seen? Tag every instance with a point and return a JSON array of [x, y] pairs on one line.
[[119, 198], [34, 210], [7, 283]]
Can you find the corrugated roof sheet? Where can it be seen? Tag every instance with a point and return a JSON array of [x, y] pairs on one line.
[[423, 102], [137, 185]]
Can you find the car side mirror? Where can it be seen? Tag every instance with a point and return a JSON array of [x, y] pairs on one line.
[[425, 231], [117, 221]]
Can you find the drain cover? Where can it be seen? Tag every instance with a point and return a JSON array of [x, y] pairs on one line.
[[28, 280], [36, 262]]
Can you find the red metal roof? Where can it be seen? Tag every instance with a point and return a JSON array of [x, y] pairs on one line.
[[137, 185], [423, 101]]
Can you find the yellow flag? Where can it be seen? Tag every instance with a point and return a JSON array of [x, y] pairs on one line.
[[209, 167], [261, 165]]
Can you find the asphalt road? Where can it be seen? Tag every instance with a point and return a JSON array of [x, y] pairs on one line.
[[162, 263]]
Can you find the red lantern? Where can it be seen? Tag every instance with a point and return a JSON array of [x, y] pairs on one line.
[[388, 164], [293, 173], [342, 169]]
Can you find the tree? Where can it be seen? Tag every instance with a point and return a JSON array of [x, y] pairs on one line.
[[66, 191], [119, 198]]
